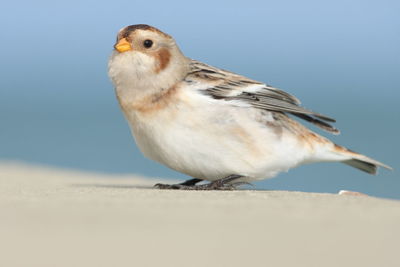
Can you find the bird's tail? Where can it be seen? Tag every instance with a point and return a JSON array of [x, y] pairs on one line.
[[359, 161]]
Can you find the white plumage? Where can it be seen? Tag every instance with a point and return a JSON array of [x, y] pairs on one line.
[[209, 123]]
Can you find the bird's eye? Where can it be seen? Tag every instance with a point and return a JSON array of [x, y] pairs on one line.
[[148, 43]]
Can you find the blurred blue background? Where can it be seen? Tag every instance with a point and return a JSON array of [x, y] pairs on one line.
[[341, 58]]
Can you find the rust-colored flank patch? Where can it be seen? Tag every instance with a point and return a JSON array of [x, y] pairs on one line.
[[155, 102]]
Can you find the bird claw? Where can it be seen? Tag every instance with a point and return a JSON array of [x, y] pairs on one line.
[[226, 183]]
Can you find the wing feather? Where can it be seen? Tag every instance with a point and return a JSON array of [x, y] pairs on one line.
[[230, 86]]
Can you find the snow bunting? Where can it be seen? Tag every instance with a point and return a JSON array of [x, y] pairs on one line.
[[212, 124]]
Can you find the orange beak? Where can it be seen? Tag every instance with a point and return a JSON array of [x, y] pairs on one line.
[[123, 45]]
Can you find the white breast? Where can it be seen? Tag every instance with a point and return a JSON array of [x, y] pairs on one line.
[[211, 140]]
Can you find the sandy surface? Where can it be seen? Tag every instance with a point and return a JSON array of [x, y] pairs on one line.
[[51, 217]]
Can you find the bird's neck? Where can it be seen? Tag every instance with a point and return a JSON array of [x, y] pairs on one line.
[[135, 83]]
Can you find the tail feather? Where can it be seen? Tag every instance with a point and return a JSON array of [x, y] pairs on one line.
[[360, 161], [362, 165]]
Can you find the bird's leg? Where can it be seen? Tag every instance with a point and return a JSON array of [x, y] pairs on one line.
[[191, 181], [227, 183], [183, 185]]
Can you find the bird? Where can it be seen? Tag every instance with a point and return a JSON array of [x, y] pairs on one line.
[[220, 128]]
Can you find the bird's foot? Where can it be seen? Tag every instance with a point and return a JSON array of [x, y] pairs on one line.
[[191, 182], [227, 183]]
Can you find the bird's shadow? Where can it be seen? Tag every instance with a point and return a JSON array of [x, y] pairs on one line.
[[114, 186], [150, 187]]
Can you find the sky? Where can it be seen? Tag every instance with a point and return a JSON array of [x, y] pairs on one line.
[[341, 58]]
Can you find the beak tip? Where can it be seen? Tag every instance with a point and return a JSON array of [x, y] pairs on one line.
[[122, 46]]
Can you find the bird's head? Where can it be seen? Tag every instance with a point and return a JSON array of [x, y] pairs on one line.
[[146, 57]]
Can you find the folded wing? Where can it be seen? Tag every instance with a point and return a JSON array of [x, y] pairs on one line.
[[225, 85]]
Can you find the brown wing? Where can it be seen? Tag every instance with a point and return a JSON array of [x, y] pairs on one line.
[[225, 85]]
